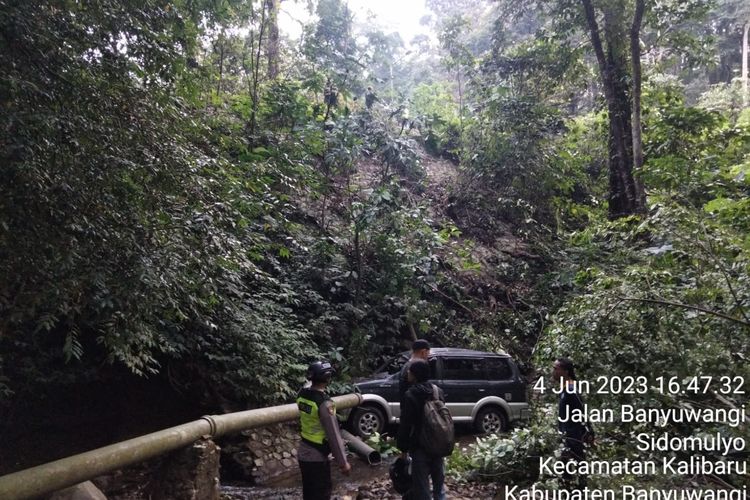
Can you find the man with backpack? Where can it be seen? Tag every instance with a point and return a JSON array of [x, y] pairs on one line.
[[425, 432]]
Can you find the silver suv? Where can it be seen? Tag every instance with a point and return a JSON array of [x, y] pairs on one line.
[[482, 388]]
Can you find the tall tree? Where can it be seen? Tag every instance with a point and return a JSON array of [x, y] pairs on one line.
[[459, 59], [610, 25], [635, 58], [254, 44], [625, 197], [272, 49], [726, 26], [745, 31]]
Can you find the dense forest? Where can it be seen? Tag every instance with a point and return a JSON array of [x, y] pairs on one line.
[[195, 204]]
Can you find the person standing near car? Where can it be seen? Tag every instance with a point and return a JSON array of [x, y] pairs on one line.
[[424, 466], [320, 434], [563, 372], [420, 350]]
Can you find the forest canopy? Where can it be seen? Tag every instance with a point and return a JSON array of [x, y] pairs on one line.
[[195, 193]]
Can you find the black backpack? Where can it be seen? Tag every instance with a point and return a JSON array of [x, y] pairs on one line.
[[400, 472], [437, 436]]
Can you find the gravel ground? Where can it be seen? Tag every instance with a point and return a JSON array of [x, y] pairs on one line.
[[365, 482]]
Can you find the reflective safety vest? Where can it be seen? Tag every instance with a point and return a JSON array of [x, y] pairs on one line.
[[309, 402]]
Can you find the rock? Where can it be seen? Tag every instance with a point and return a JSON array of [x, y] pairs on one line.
[[81, 491], [258, 456], [189, 474]]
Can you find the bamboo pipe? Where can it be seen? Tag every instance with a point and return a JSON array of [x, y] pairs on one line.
[[53, 476], [361, 448]]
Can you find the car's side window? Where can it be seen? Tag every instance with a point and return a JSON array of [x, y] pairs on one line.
[[433, 368], [462, 369], [498, 369]]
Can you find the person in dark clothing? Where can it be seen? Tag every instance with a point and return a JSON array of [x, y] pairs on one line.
[[320, 435], [424, 466], [370, 97], [420, 349], [572, 432]]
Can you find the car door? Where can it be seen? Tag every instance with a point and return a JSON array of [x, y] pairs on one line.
[[501, 381], [464, 383]]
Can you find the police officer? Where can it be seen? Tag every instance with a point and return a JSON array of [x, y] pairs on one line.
[[320, 434]]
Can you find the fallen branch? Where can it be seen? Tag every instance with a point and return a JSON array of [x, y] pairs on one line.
[[716, 479], [687, 306]]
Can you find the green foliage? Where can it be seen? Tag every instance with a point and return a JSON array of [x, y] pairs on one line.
[[725, 98], [580, 171], [439, 119], [99, 182], [692, 153], [165, 208], [511, 143], [383, 444], [283, 105], [508, 147], [330, 45], [669, 298], [458, 54], [512, 458], [131, 234], [240, 361], [387, 141]]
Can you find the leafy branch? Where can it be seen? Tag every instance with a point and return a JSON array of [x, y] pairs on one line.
[[686, 306]]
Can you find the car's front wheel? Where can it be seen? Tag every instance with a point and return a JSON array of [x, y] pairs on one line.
[[367, 420], [490, 420]]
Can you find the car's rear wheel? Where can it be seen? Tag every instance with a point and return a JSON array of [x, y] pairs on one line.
[[367, 420], [491, 419]]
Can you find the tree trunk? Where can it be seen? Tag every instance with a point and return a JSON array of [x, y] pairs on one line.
[[613, 71], [744, 63], [272, 49], [221, 63], [256, 75], [635, 55], [460, 110]]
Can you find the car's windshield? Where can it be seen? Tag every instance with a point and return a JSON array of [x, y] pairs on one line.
[[399, 362], [393, 365]]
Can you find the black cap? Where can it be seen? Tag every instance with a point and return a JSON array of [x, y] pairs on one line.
[[420, 344]]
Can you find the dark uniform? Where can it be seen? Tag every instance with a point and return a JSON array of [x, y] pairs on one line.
[[572, 436], [403, 381], [320, 436], [424, 465]]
